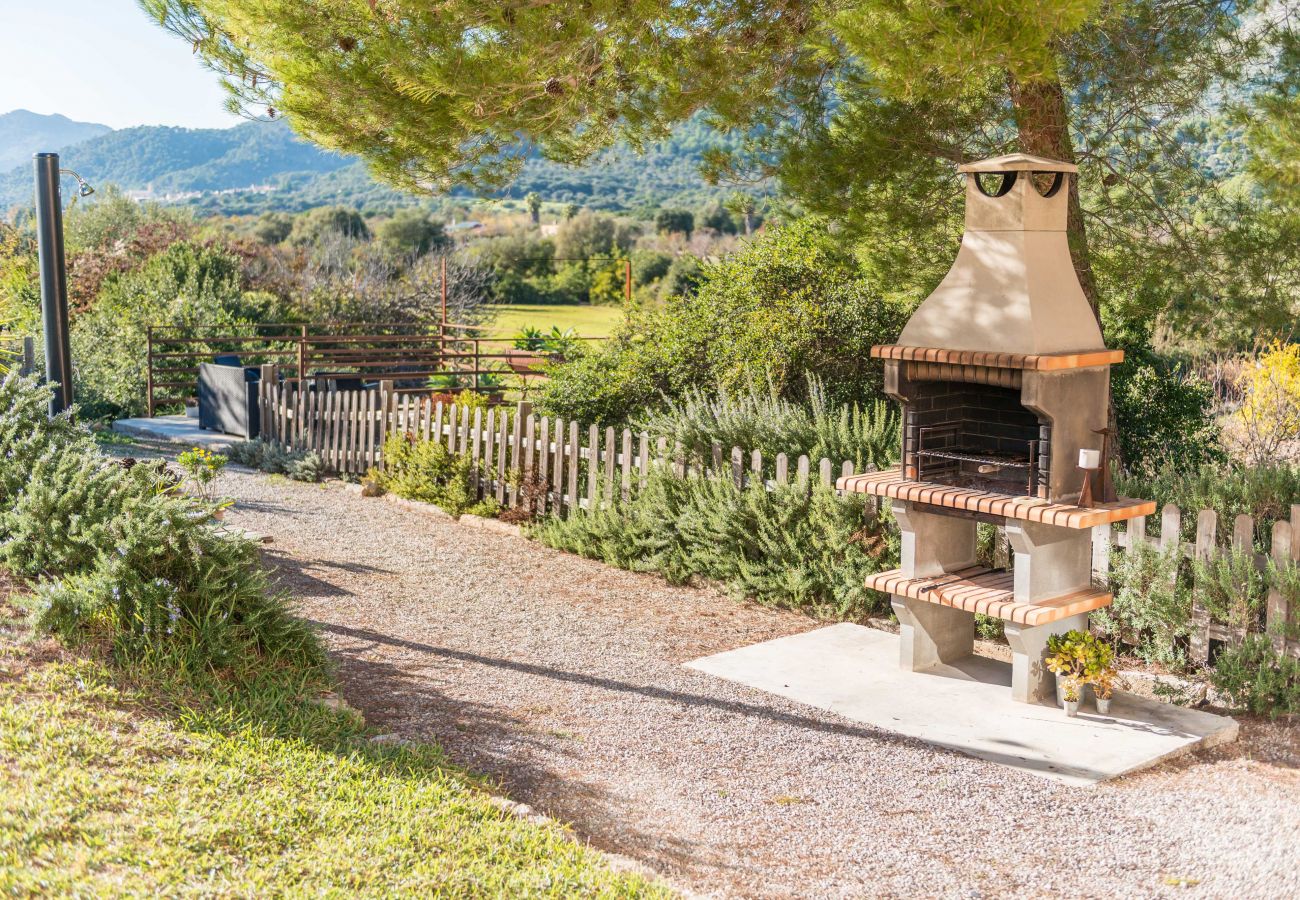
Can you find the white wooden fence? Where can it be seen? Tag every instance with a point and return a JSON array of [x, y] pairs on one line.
[[1281, 618], [556, 467]]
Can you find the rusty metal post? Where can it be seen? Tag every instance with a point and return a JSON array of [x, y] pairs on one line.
[[302, 356], [627, 280], [444, 290], [474, 377], [148, 378]]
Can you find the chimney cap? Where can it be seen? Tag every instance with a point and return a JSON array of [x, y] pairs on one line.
[[1018, 162]]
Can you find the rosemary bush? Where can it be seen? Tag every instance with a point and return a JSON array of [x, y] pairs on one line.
[[764, 421], [796, 546], [299, 465], [119, 552], [1258, 678], [1231, 588], [1152, 606]]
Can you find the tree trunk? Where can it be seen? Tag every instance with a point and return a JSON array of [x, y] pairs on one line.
[[1043, 124]]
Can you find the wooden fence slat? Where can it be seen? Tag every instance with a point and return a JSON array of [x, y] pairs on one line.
[[368, 411], [1171, 524], [575, 454], [717, 457], [643, 457], [626, 464], [593, 466], [1276, 614], [543, 464], [557, 465], [489, 453], [334, 409], [1207, 524], [802, 472], [738, 467], [782, 468], [1243, 541], [354, 431], [437, 423], [1137, 531], [503, 423], [530, 432], [476, 447], [756, 467], [824, 472], [611, 458], [516, 462]]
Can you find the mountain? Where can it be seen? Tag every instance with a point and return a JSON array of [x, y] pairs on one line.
[[23, 133], [261, 166]]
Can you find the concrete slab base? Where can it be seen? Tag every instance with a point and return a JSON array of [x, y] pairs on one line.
[[966, 705], [176, 430]]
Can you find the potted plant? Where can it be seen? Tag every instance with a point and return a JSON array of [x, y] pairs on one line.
[[201, 468], [1067, 657], [1101, 673]]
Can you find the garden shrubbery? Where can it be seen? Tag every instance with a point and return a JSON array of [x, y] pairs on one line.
[[791, 301], [274, 459], [117, 551], [797, 546], [427, 471], [754, 420]]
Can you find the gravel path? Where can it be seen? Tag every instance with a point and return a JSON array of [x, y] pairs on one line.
[[562, 678]]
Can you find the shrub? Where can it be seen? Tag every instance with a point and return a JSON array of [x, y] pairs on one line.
[[427, 471], [1256, 677], [1264, 492], [120, 552], [789, 302], [763, 421], [1266, 426], [1165, 417], [1231, 588], [182, 285], [796, 546], [299, 465], [1152, 607]]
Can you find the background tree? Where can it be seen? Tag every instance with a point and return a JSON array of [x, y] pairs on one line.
[[675, 221], [325, 221], [534, 201], [410, 232]]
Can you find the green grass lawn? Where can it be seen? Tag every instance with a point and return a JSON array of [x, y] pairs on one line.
[[111, 787], [587, 321]]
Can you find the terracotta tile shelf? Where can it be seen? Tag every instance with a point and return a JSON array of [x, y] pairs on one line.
[[1040, 362], [890, 483], [988, 592]]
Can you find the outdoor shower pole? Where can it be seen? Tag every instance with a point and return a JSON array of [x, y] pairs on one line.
[[54, 281]]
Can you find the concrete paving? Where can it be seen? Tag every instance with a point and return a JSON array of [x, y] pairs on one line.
[[176, 430], [966, 706]]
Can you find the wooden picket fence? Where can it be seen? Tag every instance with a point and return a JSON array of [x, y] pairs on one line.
[[1281, 623], [569, 465], [558, 467]]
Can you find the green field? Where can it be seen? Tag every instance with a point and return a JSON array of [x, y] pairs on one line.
[[587, 321]]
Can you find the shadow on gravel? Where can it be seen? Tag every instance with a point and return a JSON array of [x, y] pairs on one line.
[[488, 740], [697, 700]]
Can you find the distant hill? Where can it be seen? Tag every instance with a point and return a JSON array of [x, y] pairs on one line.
[[23, 133], [260, 166]]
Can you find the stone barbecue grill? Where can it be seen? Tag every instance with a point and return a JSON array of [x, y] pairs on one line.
[[1003, 379]]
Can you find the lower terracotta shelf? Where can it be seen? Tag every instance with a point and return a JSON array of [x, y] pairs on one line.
[[988, 592]]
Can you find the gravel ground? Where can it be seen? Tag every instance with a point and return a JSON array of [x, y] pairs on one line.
[[562, 678]]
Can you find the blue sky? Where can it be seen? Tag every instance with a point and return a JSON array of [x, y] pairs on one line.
[[102, 61]]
